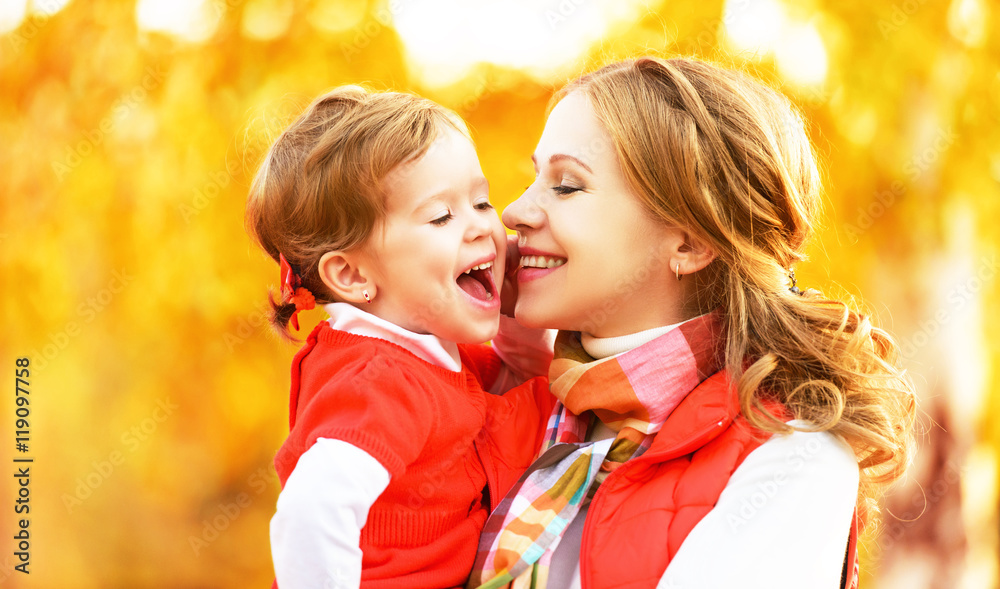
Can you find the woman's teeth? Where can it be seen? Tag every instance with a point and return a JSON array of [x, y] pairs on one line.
[[485, 266], [541, 262]]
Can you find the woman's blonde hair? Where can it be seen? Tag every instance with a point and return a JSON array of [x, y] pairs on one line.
[[319, 187], [726, 157]]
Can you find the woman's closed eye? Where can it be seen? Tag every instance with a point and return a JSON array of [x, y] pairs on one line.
[[563, 189]]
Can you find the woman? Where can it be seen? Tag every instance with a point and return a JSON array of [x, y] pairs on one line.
[[717, 427]]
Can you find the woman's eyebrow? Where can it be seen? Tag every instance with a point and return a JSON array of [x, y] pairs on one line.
[[557, 157]]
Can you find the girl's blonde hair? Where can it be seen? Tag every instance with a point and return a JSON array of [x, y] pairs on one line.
[[319, 187], [723, 155]]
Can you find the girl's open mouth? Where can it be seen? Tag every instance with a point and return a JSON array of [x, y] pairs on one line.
[[478, 283]]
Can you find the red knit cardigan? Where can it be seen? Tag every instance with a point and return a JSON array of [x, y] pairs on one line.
[[452, 450]]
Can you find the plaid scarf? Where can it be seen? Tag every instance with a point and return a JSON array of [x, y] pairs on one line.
[[633, 394]]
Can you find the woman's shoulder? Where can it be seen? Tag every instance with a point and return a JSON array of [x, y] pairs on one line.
[[786, 510], [810, 461]]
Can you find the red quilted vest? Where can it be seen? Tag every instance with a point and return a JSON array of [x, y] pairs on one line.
[[657, 498]]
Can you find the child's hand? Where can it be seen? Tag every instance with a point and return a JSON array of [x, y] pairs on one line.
[[508, 290]]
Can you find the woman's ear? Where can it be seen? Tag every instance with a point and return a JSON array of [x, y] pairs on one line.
[[691, 255], [347, 275]]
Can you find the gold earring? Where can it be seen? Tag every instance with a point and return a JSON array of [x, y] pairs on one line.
[[677, 270], [367, 298]]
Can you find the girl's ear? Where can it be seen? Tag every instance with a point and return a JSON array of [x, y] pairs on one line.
[[346, 274]]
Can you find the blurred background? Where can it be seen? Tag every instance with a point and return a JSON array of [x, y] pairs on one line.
[[128, 135]]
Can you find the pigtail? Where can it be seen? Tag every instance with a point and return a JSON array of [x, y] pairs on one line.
[[280, 316]]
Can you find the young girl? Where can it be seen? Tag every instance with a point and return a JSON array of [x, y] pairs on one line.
[[375, 205]]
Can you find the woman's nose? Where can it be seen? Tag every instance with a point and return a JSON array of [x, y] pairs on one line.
[[525, 212]]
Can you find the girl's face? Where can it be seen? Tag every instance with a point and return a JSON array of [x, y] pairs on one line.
[[592, 258], [438, 260]]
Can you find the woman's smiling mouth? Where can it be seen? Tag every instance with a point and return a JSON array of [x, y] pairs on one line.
[[536, 264], [541, 261]]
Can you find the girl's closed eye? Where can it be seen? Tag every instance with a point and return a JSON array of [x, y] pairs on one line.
[[483, 205], [442, 219]]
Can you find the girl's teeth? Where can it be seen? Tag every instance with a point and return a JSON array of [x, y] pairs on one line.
[[484, 266]]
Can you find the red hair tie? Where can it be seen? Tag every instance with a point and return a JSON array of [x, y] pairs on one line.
[[292, 291]]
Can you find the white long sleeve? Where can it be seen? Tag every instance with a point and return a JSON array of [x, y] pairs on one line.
[[526, 352], [321, 509], [782, 522]]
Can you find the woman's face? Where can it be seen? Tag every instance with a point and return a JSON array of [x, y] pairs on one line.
[[593, 259]]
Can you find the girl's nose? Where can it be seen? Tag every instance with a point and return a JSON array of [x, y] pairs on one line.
[[524, 213], [481, 225]]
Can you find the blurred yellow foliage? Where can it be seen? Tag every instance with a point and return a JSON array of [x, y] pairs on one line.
[[158, 395]]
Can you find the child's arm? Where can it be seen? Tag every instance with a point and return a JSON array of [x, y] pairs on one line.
[[321, 510], [526, 352], [343, 448]]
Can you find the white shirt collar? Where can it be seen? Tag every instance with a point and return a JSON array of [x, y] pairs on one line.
[[429, 347], [604, 347]]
